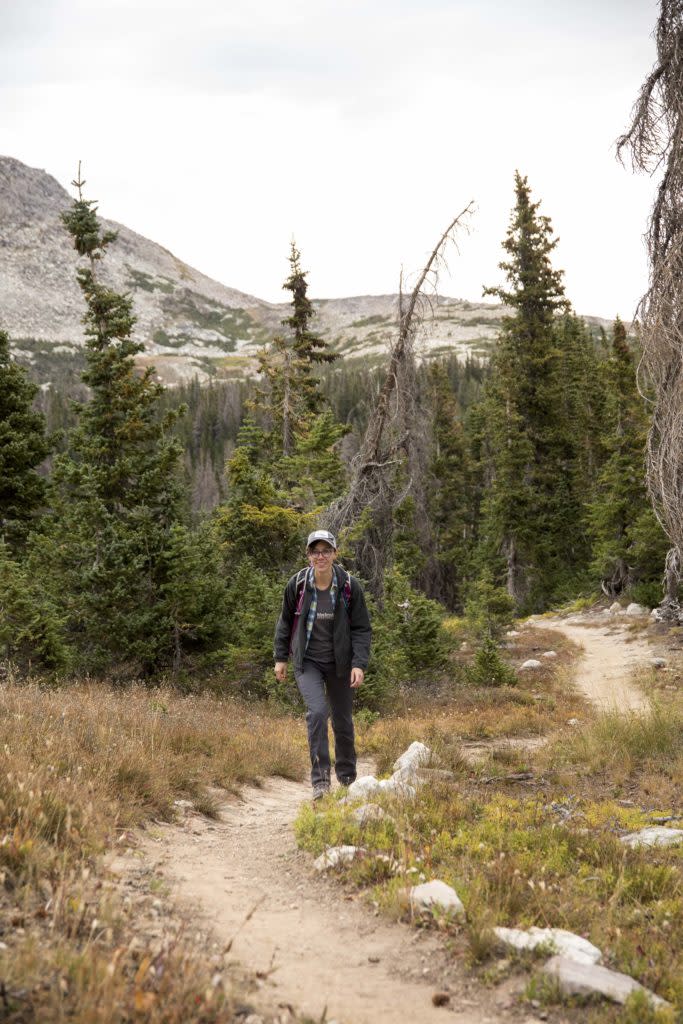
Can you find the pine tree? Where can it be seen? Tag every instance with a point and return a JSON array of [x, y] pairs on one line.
[[23, 446], [308, 348], [531, 516], [628, 544], [119, 497]]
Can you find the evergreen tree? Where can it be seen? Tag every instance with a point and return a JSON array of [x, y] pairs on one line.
[[308, 348], [628, 544], [31, 628], [23, 446], [532, 521], [119, 499]]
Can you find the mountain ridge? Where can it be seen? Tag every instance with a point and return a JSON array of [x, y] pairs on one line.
[[190, 324]]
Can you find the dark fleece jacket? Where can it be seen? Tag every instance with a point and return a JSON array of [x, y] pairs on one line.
[[352, 631]]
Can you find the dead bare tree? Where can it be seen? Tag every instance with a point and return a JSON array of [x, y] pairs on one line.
[[655, 140], [394, 437]]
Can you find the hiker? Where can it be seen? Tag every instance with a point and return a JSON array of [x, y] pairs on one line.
[[324, 627]]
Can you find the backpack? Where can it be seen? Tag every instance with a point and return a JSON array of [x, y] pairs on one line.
[[301, 591]]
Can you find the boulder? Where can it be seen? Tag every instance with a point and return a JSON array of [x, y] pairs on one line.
[[575, 979], [513, 632], [655, 835], [530, 663], [636, 609], [365, 786], [416, 756], [658, 662], [549, 654], [435, 894], [572, 946], [399, 785], [336, 855], [615, 608]]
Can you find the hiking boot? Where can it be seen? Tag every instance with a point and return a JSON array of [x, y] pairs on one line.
[[320, 790], [346, 781]]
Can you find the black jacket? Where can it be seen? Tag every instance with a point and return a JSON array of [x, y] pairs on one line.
[[352, 630]]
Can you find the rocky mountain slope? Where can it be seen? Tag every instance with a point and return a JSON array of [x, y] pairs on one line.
[[190, 324]]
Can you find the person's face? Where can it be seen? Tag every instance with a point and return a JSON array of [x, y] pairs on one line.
[[321, 555]]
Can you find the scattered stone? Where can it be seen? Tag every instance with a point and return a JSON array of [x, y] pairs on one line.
[[575, 979], [435, 894], [397, 785], [615, 608], [369, 812], [530, 663], [549, 654], [441, 998], [416, 756], [569, 945], [658, 662], [366, 785], [655, 835], [336, 855], [573, 721], [513, 632], [636, 609]]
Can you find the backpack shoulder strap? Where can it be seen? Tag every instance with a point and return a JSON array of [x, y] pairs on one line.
[[300, 590], [346, 591]]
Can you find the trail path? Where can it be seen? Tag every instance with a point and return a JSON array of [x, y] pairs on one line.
[[610, 655], [320, 947]]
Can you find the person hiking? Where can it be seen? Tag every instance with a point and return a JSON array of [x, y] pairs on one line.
[[325, 628]]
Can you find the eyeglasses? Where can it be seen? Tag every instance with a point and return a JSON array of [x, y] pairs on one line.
[[321, 553]]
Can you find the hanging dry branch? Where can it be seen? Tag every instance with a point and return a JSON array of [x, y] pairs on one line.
[[392, 436], [654, 140]]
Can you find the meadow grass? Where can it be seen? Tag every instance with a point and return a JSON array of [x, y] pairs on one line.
[[79, 767]]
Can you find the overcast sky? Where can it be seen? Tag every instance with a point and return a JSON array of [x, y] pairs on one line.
[[222, 128]]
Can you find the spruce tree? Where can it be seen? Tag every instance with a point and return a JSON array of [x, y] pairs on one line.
[[308, 348], [119, 497], [628, 543], [531, 521], [23, 446]]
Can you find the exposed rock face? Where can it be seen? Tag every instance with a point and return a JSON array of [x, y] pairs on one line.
[[190, 325]]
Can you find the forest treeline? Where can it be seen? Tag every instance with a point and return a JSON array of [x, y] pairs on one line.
[[148, 532]]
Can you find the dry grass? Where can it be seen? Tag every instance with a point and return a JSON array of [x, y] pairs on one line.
[[78, 768], [444, 716]]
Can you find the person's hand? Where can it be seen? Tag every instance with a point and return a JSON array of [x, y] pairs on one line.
[[357, 677], [280, 671]]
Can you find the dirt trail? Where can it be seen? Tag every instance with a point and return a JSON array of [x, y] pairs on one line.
[[610, 655], [319, 946]]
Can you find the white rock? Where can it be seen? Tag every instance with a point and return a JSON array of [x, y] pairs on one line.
[[577, 979], [416, 756], [636, 609], [558, 939], [549, 654], [658, 662], [615, 608], [336, 855], [399, 786], [435, 894], [366, 785], [655, 835], [530, 663], [513, 632], [369, 812], [572, 721]]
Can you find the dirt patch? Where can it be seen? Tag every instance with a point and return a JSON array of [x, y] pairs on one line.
[[610, 657]]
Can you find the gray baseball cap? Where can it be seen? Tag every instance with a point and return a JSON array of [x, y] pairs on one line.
[[325, 535]]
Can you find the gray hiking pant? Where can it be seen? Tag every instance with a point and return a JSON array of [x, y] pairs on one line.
[[325, 692]]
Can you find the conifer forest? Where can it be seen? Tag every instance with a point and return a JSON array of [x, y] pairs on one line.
[[147, 532]]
